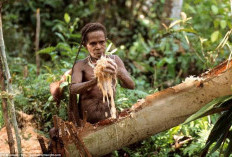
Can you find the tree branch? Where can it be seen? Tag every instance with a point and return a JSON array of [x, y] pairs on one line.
[[9, 85]]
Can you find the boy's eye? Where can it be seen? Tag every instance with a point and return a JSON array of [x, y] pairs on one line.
[[102, 42], [93, 43]]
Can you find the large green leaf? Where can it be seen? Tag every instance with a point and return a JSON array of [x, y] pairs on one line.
[[228, 150], [219, 141], [219, 131], [208, 107]]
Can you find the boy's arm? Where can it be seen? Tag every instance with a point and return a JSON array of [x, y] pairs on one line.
[[77, 86], [123, 75]]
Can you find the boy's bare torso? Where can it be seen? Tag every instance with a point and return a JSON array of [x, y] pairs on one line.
[[91, 101]]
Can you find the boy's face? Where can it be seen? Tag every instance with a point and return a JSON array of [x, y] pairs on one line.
[[96, 44]]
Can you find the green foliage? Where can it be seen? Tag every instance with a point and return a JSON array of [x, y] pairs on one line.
[[220, 133], [33, 98], [215, 104], [1, 117], [126, 98], [212, 13]]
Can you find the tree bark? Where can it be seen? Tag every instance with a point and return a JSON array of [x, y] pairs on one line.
[[172, 9], [176, 9], [158, 112], [5, 112], [9, 85], [37, 41]]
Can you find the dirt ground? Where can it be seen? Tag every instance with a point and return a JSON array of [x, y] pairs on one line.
[[28, 134]]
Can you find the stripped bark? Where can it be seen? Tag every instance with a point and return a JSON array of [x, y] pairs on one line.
[[37, 41], [64, 132], [42, 144], [158, 112], [5, 112], [9, 85]]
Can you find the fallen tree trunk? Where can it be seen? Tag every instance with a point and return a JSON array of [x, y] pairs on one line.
[[158, 112]]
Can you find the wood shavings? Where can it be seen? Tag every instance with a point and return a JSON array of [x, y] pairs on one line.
[[105, 83]]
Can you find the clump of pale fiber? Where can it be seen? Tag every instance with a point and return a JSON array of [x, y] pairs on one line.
[[105, 83], [193, 78]]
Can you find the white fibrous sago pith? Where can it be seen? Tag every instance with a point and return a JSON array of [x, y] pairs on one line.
[[193, 78], [105, 83]]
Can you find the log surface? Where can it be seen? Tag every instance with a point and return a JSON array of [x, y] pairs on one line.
[[159, 112]]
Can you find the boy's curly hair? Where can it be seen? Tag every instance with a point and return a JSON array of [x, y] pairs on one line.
[[91, 27]]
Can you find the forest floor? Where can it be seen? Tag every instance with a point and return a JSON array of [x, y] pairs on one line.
[[28, 134]]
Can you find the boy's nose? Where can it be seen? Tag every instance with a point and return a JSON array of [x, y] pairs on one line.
[[98, 45]]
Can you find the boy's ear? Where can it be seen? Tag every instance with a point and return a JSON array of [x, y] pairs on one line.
[[84, 44]]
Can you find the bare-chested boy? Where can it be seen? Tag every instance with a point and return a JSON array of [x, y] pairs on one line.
[[83, 80]]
